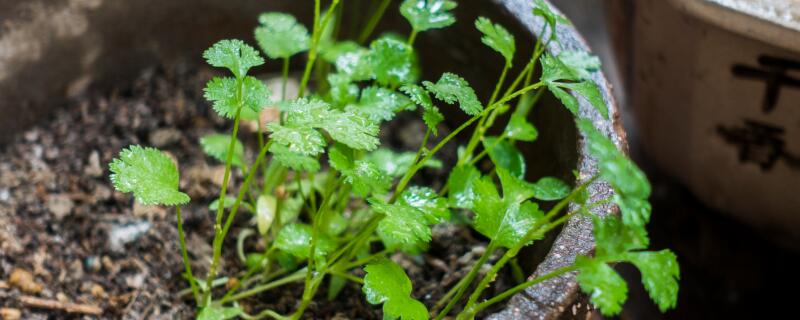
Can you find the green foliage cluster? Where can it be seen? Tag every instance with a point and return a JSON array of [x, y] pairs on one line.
[[345, 192]]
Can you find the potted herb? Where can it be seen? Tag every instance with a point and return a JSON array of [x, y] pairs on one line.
[[331, 136]]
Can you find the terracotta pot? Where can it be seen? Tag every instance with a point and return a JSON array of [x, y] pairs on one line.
[[51, 50], [714, 87]]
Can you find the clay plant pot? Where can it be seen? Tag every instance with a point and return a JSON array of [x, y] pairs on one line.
[[715, 99], [51, 50]]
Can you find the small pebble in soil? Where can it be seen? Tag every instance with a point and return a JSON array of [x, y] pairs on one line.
[[10, 314], [120, 235], [24, 281]]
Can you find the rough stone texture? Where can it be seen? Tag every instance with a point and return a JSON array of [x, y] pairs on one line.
[[550, 299]]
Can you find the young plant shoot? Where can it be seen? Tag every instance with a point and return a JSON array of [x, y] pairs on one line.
[[330, 203]]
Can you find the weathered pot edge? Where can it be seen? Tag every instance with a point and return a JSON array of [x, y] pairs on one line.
[[550, 299]]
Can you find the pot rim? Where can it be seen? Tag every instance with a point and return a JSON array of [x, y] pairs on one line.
[[549, 299]]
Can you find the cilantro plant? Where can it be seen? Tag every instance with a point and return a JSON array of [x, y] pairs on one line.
[[326, 199]]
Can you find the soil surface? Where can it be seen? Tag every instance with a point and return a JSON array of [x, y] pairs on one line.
[[67, 237]]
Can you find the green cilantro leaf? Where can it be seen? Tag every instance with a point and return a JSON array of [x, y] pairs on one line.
[[418, 95], [451, 88], [428, 14], [295, 161], [635, 211], [660, 274], [380, 104], [150, 174], [255, 94], [222, 92], [295, 239], [355, 64], [497, 38], [404, 227], [354, 130], [519, 128], [624, 176], [393, 62], [342, 91], [332, 53], [549, 188], [505, 155], [363, 175], [606, 289], [229, 200], [504, 220], [427, 201], [280, 35], [431, 115], [307, 112], [396, 164], [298, 139], [581, 62], [387, 283], [553, 69], [589, 90], [461, 185], [542, 9], [235, 55], [216, 312], [554, 74], [514, 188], [613, 238], [216, 146]]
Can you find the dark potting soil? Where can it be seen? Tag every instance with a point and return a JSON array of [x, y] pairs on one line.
[[84, 243]]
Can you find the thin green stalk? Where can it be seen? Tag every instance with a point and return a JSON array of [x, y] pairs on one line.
[[242, 192], [312, 50], [373, 21], [263, 314], [361, 262], [480, 130], [285, 78], [346, 276], [297, 276], [221, 202], [446, 297], [499, 83], [414, 168], [468, 314], [469, 278], [412, 37], [185, 254], [313, 278]]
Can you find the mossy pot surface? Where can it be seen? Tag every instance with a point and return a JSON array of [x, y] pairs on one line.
[[51, 50]]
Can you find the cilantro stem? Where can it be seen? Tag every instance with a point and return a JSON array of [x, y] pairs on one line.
[[185, 254], [499, 83], [468, 314], [284, 78], [373, 21], [346, 276], [412, 37], [468, 279], [297, 276], [243, 191], [263, 314], [317, 33], [217, 250]]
